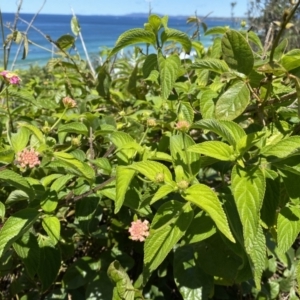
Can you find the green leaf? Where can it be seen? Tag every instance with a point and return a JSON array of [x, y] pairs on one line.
[[120, 140], [162, 192], [75, 27], [288, 227], [49, 262], [123, 180], [51, 225], [7, 156], [291, 60], [248, 141], [229, 131], [186, 112], [233, 102], [15, 226], [218, 257], [124, 289], [155, 22], [177, 36], [207, 103], [283, 148], [215, 149], [76, 164], [16, 180], [133, 36], [20, 139], [248, 187], [237, 52], [150, 64], [65, 42], [168, 69], [212, 64], [39, 135], [153, 170], [216, 30], [103, 165], [74, 127], [188, 160], [2, 211], [28, 250], [201, 228], [168, 226], [192, 282], [257, 254], [202, 196]]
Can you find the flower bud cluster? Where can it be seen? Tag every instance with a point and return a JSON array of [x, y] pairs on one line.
[[28, 158]]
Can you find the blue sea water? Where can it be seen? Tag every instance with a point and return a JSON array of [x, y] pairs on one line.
[[98, 32]]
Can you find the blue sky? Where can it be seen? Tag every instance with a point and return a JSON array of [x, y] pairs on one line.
[[119, 7]]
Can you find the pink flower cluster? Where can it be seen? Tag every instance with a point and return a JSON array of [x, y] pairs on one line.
[[28, 158], [69, 102], [11, 77], [139, 230]]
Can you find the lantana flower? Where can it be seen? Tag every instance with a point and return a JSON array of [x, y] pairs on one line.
[[69, 102], [11, 77], [139, 230], [28, 158], [183, 125]]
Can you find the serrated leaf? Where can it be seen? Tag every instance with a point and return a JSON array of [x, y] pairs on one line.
[[229, 131], [15, 226], [186, 112], [28, 250], [257, 254], [153, 169], [215, 149], [168, 226], [150, 64], [50, 260], [133, 36], [16, 180], [51, 225], [188, 160], [248, 141], [123, 179], [75, 27], [283, 148], [212, 64], [207, 103], [65, 42], [178, 36], [124, 289], [216, 30], [233, 102], [155, 22], [7, 156], [35, 130], [168, 69], [237, 52], [120, 140], [248, 187], [288, 227], [162, 192], [74, 127], [20, 139], [202, 196], [76, 164]]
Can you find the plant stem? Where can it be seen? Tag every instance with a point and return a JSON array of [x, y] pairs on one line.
[[187, 154], [282, 28], [59, 119]]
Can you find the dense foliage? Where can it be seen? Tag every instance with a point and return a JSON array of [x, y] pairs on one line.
[[156, 177]]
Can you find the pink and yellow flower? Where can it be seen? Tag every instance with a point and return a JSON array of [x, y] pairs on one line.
[[11, 77]]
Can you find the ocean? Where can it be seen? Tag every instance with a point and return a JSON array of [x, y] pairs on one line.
[[99, 32]]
